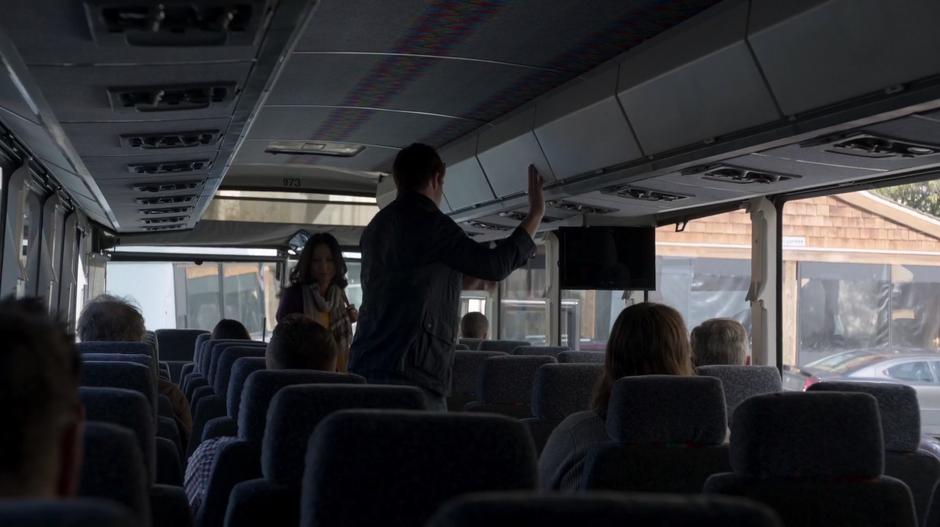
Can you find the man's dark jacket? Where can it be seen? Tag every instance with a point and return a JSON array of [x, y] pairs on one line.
[[413, 261]]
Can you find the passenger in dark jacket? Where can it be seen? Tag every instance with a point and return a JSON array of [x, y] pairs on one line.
[[413, 261]]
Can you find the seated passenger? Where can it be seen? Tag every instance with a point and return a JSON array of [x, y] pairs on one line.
[[719, 341], [647, 339], [112, 319], [229, 329], [474, 325], [297, 343], [41, 415]]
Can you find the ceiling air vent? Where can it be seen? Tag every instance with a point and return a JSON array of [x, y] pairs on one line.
[[165, 210], [872, 146], [644, 194], [520, 216], [167, 187], [314, 148], [170, 167], [171, 98], [171, 140], [579, 208], [166, 200], [174, 22], [739, 176], [487, 226], [165, 220], [164, 227]]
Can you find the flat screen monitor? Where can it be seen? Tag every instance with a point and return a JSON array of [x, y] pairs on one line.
[[610, 258]]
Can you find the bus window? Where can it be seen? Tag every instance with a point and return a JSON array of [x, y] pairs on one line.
[[524, 303], [29, 248], [861, 276]]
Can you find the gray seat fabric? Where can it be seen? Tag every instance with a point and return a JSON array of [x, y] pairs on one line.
[[422, 460], [64, 513], [581, 356], [741, 382], [466, 377], [668, 434], [178, 344], [113, 469], [294, 414], [506, 346], [551, 351], [471, 344], [814, 457], [133, 348], [602, 509], [506, 385], [242, 368], [900, 425], [121, 375], [226, 361], [559, 391], [217, 347], [241, 460], [129, 409]]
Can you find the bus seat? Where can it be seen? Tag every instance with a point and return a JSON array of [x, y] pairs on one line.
[[581, 356], [742, 382], [126, 408], [559, 391], [551, 351], [506, 346], [422, 460], [466, 377], [506, 385], [64, 513], [668, 434], [113, 469], [126, 375]]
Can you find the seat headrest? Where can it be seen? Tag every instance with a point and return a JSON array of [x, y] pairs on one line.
[[263, 385], [593, 357], [126, 408], [509, 379], [817, 435], [506, 346], [134, 348], [297, 410], [563, 389], [241, 369], [467, 368], [551, 351], [667, 409], [602, 509], [64, 513], [121, 375], [112, 469], [226, 360], [897, 404], [218, 347], [741, 382], [414, 461]]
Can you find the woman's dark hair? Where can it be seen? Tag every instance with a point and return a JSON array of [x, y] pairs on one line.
[[301, 274], [230, 329], [647, 339]]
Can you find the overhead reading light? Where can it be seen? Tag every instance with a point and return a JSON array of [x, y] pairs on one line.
[[314, 148], [873, 146], [739, 176], [580, 208], [644, 194], [487, 226], [164, 210]]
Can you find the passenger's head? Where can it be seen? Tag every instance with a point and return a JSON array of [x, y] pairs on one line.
[[301, 343], [321, 262], [418, 168], [474, 325], [647, 339], [112, 319], [40, 413], [719, 341], [230, 329]]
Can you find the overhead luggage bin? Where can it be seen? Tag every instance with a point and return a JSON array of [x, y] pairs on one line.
[[507, 149], [815, 53], [582, 128], [465, 184], [694, 84]]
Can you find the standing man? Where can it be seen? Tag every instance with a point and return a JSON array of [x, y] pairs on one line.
[[413, 261]]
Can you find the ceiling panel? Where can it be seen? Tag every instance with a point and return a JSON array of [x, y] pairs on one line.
[[80, 94], [568, 35], [393, 129], [372, 158], [419, 84]]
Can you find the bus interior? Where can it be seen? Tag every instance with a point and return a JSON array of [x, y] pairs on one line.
[[180, 153]]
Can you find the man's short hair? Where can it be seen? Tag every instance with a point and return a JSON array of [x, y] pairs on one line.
[[474, 325], [39, 376], [300, 343], [415, 166], [719, 341], [111, 318]]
